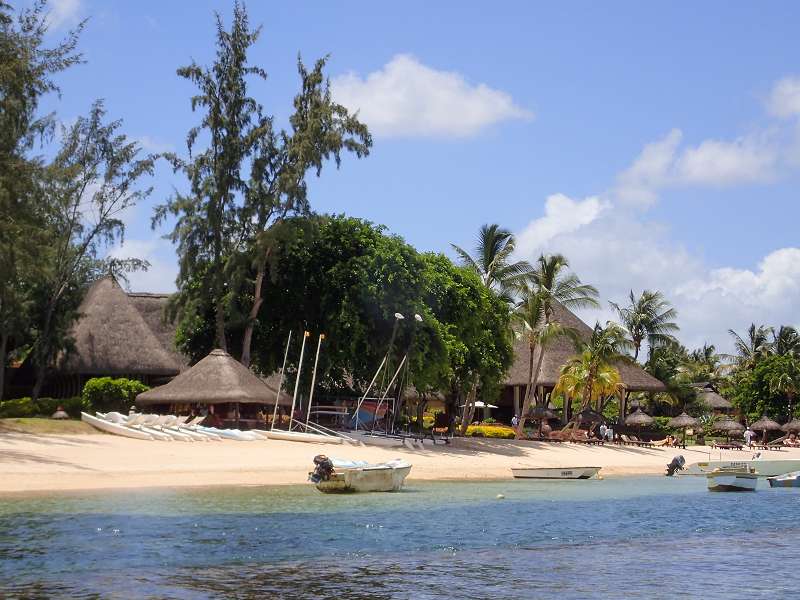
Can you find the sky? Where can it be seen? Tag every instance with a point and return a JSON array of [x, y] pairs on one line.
[[656, 145]]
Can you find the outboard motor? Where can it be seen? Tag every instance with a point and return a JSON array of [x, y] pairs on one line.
[[323, 469], [675, 465]]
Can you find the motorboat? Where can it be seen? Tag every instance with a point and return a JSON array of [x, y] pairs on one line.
[[788, 480], [115, 428], [764, 467], [337, 476], [554, 472], [732, 479]]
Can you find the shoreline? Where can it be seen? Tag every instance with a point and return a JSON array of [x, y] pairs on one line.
[[48, 463]]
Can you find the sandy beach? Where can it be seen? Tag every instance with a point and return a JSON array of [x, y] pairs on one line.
[[34, 463]]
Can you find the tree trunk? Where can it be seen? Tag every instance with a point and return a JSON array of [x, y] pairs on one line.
[[587, 389], [3, 346], [43, 352], [526, 405], [258, 300], [469, 409]]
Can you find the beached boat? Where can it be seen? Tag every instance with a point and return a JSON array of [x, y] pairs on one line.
[[788, 480], [732, 479], [763, 467], [115, 428], [336, 476], [301, 436], [554, 472]]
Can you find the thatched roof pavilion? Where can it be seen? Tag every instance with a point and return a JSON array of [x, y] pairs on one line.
[[713, 400], [112, 338], [217, 379], [556, 355]]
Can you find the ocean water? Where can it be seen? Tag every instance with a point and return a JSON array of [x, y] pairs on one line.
[[651, 537]]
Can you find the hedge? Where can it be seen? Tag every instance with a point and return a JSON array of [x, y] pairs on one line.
[[106, 394], [490, 431], [21, 408]]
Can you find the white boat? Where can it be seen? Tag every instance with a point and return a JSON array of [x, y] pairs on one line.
[[554, 472], [763, 467], [336, 476], [301, 436], [787, 480], [231, 434], [732, 479], [115, 428]]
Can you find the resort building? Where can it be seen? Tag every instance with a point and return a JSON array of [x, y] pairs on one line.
[[556, 355]]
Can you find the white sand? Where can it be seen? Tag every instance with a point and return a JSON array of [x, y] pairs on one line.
[[83, 462]]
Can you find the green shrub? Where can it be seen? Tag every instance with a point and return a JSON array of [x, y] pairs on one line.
[[489, 421], [21, 408], [18, 408], [106, 394], [490, 431]]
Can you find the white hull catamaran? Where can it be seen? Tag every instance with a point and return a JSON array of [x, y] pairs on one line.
[[335, 476], [114, 428], [554, 472]]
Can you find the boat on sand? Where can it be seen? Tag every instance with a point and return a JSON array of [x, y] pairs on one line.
[[336, 476], [732, 479], [115, 428], [554, 472]]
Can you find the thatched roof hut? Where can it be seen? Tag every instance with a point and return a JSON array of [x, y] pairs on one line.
[[559, 352], [713, 400], [112, 338], [218, 378]]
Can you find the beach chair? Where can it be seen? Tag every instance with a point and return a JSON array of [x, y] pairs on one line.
[[641, 443], [440, 432]]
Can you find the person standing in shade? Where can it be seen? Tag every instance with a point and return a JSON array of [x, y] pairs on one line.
[[749, 434], [514, 421], [603, 429]]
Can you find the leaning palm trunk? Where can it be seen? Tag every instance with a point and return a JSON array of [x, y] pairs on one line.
[[469, 409], [533, 377]]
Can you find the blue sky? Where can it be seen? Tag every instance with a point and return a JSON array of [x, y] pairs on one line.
[[656, 145]]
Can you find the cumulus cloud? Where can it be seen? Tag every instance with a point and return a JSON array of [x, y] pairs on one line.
[[63, 13], [406, 98], [161, 275], [784, 99], [664, 163], [562, 215]]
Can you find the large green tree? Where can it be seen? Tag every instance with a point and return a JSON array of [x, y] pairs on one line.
[[28, 65]]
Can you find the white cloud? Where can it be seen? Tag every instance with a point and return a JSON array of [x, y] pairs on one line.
[[562, 215], [784, 100], [63, 13], [151, 144], [406, 99], [717, 163], [161, 275]]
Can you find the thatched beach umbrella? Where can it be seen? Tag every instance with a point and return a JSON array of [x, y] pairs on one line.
[[728, 426], [589, 417], [683, 421], [792, 426], [714, 401], [765, 424], [217, 379], [638, 418]]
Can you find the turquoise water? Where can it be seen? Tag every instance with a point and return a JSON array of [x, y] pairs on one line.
[[626, 537]]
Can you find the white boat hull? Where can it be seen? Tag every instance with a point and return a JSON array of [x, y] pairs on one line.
[[732, 482], [115, 428], [299, 436], [374, 478], [554, 472], [763, 468], [787, 480]]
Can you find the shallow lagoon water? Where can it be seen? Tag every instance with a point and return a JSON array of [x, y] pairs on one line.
[[620, 537]]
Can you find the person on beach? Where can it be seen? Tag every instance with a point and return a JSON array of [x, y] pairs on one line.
[[514, 421], [792, 440], [603, 431], [749, 434]]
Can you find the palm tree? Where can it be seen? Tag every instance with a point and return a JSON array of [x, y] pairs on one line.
[[648, 317], [786, 342], [754, 347], [572, 382], [548, 283], [607, 345], [492, 260]]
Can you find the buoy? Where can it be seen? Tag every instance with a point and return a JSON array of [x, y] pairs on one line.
[[600, 477], [500, 496]]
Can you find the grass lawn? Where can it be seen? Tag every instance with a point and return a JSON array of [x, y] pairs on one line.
[[44, 425]]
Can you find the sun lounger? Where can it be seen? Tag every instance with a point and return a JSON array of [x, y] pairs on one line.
[[727, 446]]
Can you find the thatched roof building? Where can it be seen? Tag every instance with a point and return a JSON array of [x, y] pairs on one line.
[[218, 378], [557, 354], [112, 337]]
